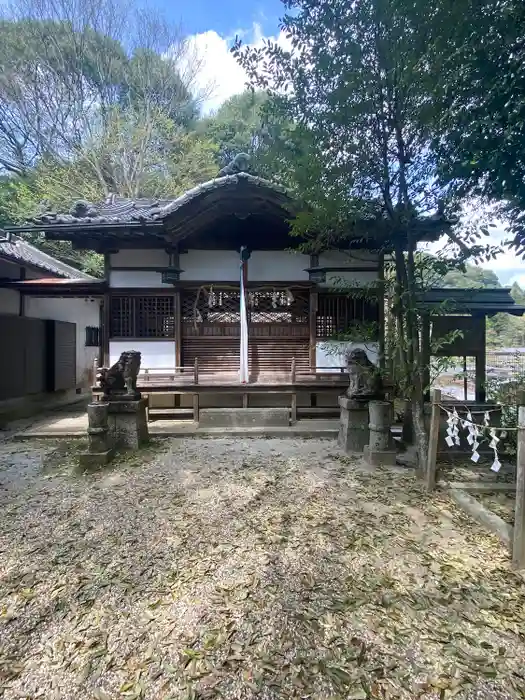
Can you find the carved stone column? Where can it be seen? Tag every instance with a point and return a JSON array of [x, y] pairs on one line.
[[353, 426], [380, 450], [100, 449]]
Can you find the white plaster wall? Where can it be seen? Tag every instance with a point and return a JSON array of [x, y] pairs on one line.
[[151, 257], [156, 354], [330, 354], [82, 312], [210, 265], [278, 266], [137, 278], [9, 301]]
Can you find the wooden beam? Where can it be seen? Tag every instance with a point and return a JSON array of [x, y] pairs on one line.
[[518, 541], [105, 329], [178, 329], [425, 353], [106, 316], [101, 321], [21, 297], [314, 298], [481, 362], [433, 438], [381, 302]]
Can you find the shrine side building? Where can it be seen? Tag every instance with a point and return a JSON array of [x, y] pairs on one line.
[[185, 278]]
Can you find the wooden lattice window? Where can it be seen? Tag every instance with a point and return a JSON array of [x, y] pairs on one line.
[[211, 306], [92, 337], [283, 306], [142, 317], [337, 313], [216, 306]]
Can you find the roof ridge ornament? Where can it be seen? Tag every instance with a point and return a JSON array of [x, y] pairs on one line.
[[240, 164], [82, 209]]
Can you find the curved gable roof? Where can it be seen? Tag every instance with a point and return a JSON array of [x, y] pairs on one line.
[[120, 210]]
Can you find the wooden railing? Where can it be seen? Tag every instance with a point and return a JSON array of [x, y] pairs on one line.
[[185, 375]]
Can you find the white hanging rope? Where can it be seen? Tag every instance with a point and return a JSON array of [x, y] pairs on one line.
[[476, 433]]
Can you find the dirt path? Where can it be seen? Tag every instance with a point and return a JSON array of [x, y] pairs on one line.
[[247, 569]]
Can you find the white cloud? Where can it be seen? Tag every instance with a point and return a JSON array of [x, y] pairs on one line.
[[220, 74]]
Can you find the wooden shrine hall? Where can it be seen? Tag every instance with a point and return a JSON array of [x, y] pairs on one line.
[[207, 287]]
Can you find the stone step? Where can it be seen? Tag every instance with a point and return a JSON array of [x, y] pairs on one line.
[[244, 417]]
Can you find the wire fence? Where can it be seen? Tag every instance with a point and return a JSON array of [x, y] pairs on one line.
[[504, 369]]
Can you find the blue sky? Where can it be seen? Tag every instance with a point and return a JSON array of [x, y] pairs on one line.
[[212, 25], [223, 16]]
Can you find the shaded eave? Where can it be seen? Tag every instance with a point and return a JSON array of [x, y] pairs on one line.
[[482, 302], [57, 287], [150, 223], [169, 221]]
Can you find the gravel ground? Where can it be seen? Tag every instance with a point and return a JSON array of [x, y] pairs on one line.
[[247, 569]]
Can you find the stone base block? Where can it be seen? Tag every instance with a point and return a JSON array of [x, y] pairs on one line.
[[244, 417], [127, 424], [353, 426], [93, 461], [379, 458]]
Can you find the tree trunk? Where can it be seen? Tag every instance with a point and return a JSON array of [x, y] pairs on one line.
[[420, 434]]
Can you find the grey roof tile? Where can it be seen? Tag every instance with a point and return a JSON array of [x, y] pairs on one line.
[[122, 210], [17, 250]]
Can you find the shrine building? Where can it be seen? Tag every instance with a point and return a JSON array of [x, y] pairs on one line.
[[208, 287]]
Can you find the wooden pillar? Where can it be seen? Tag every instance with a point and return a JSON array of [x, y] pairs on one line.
[[314, 296], [425, 354], [106, 314], [101, 322], [21, 295], [178, 330], [518, 542], [433, 438], [381, 302], [481, 360]]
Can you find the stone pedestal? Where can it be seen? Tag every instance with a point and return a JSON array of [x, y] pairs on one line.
[[100, 449], [128, 426], [380, 449], [353, 426]]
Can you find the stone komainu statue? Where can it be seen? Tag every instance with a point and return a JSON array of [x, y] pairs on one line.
[[120, 380], [240, 164], [364, 379]]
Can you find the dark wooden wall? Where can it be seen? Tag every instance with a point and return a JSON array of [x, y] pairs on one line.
[[36, 356]]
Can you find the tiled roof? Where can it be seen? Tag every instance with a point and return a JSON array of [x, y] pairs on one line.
[[117, 209], [17, 250], [482, 300]]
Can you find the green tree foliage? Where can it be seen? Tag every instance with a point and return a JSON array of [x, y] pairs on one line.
[[137, 155], [473, 277], [355, 86], [478, 82], [96, 97], [66, 65], [237, 126]]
